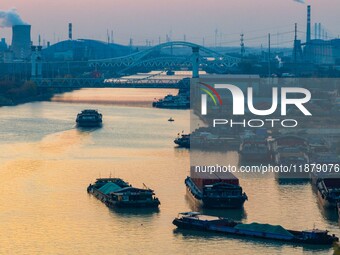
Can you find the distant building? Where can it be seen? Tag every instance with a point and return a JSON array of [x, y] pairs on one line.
[[3, 45], [84, 49], [323, 52], [8, 56], [3, 48]]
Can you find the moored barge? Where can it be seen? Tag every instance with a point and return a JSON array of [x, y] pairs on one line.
[[114, 192], [196, 221], [183, 141], [252, 149], [216, 193], [329, 191]]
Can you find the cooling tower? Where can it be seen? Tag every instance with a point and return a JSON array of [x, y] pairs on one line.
[[21, 41]]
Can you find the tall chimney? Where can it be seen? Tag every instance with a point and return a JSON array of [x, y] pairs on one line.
[[21, 41], [308, 35], [316, 31], [70, 31], [319, 31]]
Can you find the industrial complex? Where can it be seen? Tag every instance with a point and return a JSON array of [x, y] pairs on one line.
[[317, 55]]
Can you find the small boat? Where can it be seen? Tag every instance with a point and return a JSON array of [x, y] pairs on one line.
[[89, 118], [216, 193], [206, 223], [114, 192], [171, 119], [170, 72]]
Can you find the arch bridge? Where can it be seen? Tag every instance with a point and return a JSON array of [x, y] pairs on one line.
[[161, 57], [152, 58]]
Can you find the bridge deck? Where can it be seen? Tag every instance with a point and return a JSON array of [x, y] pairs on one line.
[[107, 83]]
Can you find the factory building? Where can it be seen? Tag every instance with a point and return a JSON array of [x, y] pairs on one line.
[[323, 52], [319, 51], [3, 45], [3, 48]]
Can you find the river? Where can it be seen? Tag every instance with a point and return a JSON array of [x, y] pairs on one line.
[[46, 165]]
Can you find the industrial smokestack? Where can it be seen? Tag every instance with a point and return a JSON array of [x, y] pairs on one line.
[[21, 41], [315, 31], [70, 31], [319, 31], [308, 35]]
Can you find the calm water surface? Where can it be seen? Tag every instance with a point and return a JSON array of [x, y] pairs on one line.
[[46, 165]]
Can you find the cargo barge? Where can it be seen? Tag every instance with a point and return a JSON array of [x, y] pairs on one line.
[[181, 101], [252, 149], [216, 193], [291, 152], [196, 221], [115, 192], [329, 191], [89, 118], [207, 141]]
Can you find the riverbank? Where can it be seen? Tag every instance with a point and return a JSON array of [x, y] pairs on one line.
[[20, 92], [37, 98]]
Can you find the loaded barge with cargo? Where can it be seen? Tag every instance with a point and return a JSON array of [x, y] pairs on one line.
[[89, 118], [216, 192], [114, 192], [196, 221]]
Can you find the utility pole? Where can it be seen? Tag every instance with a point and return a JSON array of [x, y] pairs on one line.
[[295, 44], [269, 67], [216, 32]]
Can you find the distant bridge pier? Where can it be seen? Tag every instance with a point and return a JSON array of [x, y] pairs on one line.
[[195, 62]]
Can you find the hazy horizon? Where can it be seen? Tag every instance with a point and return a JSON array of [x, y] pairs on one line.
[[190, 20]]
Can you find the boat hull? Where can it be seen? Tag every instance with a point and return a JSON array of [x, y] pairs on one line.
[[86, 124], [328, 203], [152, 203], [231, 202], [229, 230], [182, 143], [135, 204], [176, 107], [228, 202], [255, 156]]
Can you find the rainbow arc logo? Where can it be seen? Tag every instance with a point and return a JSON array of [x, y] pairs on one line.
[[213, 94]]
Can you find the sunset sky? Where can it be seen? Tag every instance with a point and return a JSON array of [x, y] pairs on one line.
[[150, 19]]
